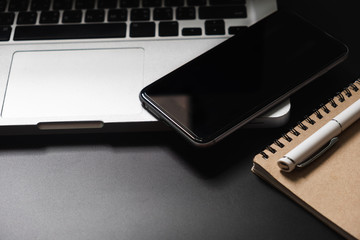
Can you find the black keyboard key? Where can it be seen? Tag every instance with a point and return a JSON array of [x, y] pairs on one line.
[[3, 4], [191, 32], [37, 5], [72, 16], [140, 14], [222, 12], [168, 29], [174, 3], [62, 4], [214, 27], [151, 3], [7, 18], [185, 13], [142, 29], [95, 16], [237, 29], [49, 17], [227, 2], [196, 2], [85, 4], [27, 18], [107, 3], [117, 15], [163, 13], [80, 31], [5, 32], [129, 3], [18, 5]]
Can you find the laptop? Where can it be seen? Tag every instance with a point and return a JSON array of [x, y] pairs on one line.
[[79, 65]]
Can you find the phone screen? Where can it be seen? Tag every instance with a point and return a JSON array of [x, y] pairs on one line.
[[242, 77]]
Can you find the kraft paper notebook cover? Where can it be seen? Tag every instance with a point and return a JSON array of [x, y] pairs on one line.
[[330, 186]]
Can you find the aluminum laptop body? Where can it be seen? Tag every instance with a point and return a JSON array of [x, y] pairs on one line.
[[58, 75]]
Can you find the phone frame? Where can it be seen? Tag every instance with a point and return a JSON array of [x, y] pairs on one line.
[[162, 115]]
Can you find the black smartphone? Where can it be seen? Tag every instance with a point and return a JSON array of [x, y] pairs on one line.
[[221, 90]]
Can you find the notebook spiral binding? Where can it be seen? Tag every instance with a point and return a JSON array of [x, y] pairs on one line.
[[318, 113]]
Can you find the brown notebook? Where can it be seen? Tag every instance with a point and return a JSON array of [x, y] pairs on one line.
[[329, 187]]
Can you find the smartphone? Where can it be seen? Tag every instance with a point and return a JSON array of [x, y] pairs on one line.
[[223, 89]]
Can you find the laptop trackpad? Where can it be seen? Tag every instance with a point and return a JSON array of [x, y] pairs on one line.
[[63, 83]]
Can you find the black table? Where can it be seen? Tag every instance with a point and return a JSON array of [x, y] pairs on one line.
[[155, 185]]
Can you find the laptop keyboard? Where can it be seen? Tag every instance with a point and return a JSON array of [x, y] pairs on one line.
[[87, 19]]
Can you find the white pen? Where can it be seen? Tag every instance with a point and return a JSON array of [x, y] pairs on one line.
[[312, 144]]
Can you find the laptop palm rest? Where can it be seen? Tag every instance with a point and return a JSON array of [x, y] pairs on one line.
[[82, 84]]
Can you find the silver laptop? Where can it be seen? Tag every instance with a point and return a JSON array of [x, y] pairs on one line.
[[70, 65]]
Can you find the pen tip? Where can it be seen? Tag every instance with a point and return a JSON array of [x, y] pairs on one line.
[[286, 164], [283, 166]]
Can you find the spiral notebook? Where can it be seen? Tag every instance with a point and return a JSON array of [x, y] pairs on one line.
[[330, 186]]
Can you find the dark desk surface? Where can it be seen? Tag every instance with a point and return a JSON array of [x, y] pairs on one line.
[[154, 185]]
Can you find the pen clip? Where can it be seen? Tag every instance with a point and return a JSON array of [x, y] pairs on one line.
[[313, 158]]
